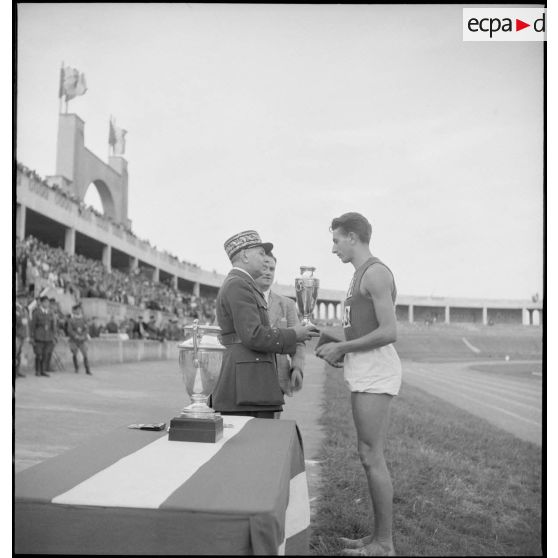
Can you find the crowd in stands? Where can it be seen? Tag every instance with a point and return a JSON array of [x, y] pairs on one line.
[[83, 207], [40, 265]]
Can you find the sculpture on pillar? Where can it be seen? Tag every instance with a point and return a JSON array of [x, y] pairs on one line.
[[117, 137]]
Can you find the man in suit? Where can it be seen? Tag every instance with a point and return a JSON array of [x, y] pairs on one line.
[[248, 383], [42, 334], [282, 313]]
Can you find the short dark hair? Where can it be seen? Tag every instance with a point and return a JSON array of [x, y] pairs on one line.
[[271, 255], [353, 222]]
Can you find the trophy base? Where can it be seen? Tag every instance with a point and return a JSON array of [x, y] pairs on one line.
[[189, 429]]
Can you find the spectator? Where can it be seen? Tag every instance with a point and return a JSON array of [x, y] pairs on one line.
[[94, 328], [112, 326], [83, 278]]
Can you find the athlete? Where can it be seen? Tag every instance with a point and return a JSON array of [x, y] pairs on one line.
[[372, 370]]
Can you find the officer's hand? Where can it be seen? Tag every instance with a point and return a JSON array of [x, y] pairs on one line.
[[303, 333], [296, 379]]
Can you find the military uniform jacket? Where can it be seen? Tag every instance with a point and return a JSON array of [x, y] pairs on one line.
[[43, 326], [77, 329], [248, 379]]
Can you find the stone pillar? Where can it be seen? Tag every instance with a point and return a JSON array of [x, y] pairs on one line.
[[21, 214], [156, 275], [174, 282], [107, 252], [196, 291], [484, 315], [134, 262], [529, 316], [411, 317], [70, 240], [447, 318]]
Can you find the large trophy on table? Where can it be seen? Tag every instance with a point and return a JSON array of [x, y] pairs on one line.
[[200, 360], [306, 288]]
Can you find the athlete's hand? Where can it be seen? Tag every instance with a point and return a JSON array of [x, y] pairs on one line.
[[332, 353]]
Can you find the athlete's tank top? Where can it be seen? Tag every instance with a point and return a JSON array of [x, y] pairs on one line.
[[359, 316]]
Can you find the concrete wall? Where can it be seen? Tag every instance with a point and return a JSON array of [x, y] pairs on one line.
[[107, 351], [104, 309], [466, 315], [505, 316], [402, 313], [422, 313]]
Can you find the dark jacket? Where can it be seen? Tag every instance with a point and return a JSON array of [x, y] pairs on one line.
[[43, 326], [248, 379], [77, 329]]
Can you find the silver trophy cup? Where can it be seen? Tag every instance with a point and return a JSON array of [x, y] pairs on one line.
[[199, 359], [306, 288]]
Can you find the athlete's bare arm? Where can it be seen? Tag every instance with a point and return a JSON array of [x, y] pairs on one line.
[[377, 284]]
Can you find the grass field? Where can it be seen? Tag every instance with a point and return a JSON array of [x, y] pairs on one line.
[[461, 486]]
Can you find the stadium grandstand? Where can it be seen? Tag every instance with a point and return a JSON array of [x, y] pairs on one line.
[[77, 253]]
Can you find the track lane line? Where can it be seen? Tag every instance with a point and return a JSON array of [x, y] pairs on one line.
[[494, 407], [471, 389], [466, 380], [534, 392]]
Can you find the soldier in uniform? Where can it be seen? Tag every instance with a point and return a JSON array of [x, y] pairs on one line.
[[22, 319], [78, 336], [248, 383], [42, 334]]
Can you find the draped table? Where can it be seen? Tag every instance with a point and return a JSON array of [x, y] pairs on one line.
[[136, 492]]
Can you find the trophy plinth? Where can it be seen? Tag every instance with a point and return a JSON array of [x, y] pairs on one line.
[[306, 289], [191, 429], [200, 360]]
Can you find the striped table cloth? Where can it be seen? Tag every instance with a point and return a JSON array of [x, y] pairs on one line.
[[135, 492]]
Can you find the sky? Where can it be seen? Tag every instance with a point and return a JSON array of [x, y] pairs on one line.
[[281, 117]]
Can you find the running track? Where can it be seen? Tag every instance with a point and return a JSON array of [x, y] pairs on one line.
[[513, 402]]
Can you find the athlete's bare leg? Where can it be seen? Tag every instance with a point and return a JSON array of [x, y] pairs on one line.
[[371, 417]]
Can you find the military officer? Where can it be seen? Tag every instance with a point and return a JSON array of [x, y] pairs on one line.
[[248, 383], [78, 336], [42, 334]]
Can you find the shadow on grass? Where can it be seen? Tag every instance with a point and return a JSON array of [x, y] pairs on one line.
[[462, 487]]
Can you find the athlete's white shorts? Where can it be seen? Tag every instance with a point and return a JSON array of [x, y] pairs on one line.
[[374, 371]]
